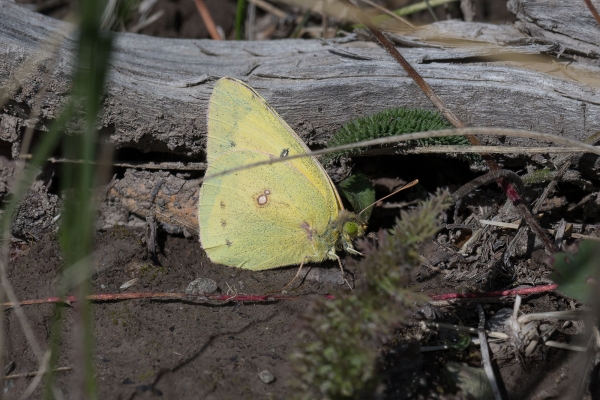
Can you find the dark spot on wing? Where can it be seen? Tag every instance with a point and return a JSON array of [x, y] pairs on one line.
[[306, 227]]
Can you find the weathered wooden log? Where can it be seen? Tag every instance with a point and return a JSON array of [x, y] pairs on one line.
[[567, 23], [158, 88]]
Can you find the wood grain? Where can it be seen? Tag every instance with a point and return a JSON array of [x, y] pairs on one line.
[[568, 23], [158, 88]]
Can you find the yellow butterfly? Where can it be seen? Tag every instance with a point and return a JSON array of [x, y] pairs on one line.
[[287, 213]]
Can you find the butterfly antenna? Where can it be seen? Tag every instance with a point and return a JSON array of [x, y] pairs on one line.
[[407, 186]]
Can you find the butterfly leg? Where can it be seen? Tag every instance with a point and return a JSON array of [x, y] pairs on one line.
[[297, 274], [348, 248], [342, 269]]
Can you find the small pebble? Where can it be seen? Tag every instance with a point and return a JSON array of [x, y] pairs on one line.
[[201, 286], [266, 376]]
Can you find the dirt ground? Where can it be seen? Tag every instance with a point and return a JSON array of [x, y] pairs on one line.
[[178, 349], [181, 349], [171, 349], [186, 350]]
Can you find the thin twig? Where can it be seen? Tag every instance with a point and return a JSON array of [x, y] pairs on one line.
[[177, 166], [435, 18], [260, 297], [492, 334], [165, 296], [424, 349], [492, 176], [32, 374], [408, 10], [324, 24], [251, 22], [497, 293], [388, 12], [593, 10], [509, 225], [267, 7], [417, 136], [569, 315], [149, 21], [485, 355], [200, 166], [38, 377], [561, 171], [564, 346], [208, 21], [457, 149], [474, 341]]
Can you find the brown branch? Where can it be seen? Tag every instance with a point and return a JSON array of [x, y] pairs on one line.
[[488, 178], [497, 293], [164, 296], [208, 21], [593, 10], [255, 298]]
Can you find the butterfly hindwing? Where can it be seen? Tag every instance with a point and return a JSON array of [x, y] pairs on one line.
[[261, 218]]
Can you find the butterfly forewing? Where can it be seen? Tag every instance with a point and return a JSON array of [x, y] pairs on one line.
[[238, 117], [268, 216]]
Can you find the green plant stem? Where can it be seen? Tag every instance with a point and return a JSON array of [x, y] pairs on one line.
[[435, 18], [77, 228], [240, 17], [298, 29]]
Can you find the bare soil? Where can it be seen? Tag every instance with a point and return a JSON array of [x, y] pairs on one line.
[[174, 349], [187, 350]]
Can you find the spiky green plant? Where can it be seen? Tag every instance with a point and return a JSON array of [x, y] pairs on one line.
[[396, 121], [340, 340]]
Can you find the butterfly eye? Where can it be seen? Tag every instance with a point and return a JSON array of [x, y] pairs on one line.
[[351, 228]]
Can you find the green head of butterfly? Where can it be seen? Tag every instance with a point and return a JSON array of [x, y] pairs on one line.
[[353, 229]]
